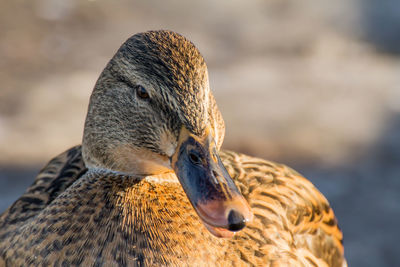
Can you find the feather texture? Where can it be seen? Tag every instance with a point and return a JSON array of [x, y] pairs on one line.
[[73, 217]]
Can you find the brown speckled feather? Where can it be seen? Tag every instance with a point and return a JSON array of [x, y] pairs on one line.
[[293, 222], [73, 217], [52, 180]]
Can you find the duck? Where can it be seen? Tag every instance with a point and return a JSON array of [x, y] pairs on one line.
[[151, 186]]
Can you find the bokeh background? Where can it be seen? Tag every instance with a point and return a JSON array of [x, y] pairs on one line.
[[314, 84]]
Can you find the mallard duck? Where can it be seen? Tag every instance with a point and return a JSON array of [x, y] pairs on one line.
[[149, 186]]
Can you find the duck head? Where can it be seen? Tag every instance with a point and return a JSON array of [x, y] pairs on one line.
[[152, 112]]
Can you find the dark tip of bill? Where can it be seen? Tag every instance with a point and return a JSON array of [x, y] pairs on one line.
[[236, 221]]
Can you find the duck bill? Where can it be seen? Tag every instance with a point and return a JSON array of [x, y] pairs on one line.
[[208, 186]]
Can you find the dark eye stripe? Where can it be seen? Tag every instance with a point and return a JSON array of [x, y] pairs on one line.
[[123, 79]]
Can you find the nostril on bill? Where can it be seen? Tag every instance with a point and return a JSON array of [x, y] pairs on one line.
[[236, 221], [194, 158]]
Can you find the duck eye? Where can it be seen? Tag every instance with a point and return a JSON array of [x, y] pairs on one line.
[[142, 92]]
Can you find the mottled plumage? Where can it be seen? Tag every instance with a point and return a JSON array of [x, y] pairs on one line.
[[119, 204]]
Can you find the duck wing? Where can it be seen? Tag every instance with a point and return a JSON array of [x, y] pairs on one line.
[[52, 180], [293, 222]]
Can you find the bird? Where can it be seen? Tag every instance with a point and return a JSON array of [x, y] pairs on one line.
[[150, 185]]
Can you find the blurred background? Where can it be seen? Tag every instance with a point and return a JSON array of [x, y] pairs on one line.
[[314, 84]]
